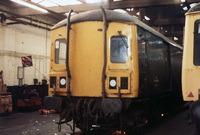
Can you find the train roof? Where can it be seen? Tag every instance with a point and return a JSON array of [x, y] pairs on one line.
[[111, 16], [195, 8]]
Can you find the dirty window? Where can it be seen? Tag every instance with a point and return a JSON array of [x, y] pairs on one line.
[[60, 51], [118, 51]]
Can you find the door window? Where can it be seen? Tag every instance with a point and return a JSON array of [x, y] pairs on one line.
[[118, 51]]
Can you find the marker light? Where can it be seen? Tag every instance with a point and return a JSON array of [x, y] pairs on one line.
[[113, 83]]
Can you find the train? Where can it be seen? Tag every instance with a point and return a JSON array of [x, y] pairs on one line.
[[110, 70], [191, 63]]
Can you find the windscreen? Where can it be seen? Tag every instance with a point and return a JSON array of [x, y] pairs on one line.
[[60, 51]]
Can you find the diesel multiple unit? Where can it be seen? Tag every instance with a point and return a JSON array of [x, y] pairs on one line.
[[109, 68]]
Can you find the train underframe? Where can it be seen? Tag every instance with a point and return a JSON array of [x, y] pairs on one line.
[[93, 113], [194, 113]]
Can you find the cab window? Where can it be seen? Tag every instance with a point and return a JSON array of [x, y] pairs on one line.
[[196, 43], [118, 51], [60, 51]]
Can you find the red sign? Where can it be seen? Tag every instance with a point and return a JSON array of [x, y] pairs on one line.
[[27, 61], [190, 95]]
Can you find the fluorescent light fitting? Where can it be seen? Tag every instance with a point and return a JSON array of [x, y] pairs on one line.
[[138, 13], [71, 13], [47, 4], [67, 2], [92, 1], [146, 18], [97, 1], [130, 9], [185, 8], [182, 0], [117, 0], [30, 5], [36, 1], [175, 38]]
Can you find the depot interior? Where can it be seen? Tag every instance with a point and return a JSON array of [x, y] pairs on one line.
[[25, 36]]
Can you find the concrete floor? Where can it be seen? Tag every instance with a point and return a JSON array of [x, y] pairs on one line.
[[33, 123], [176, 125]]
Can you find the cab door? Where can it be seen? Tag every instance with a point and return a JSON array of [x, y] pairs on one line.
[[119, 59]]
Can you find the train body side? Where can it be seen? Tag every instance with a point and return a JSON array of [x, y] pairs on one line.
[[159, 65]]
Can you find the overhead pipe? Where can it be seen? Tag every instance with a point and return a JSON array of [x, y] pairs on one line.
[[25, 17], [105, 53], [26, 23], [67, 55]]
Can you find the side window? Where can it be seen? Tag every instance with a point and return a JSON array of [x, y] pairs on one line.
[[60, 51], [196, 56], [142, 52], [118, 51]]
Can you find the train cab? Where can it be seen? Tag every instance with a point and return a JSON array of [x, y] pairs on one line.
[[86, 59], [191, 64], [191, 56]]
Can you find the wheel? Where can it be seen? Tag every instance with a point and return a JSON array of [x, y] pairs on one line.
[[82, 119]]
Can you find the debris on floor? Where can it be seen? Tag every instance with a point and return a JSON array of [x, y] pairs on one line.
[[45, 111]]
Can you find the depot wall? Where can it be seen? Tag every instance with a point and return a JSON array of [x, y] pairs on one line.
[[20, 40]]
